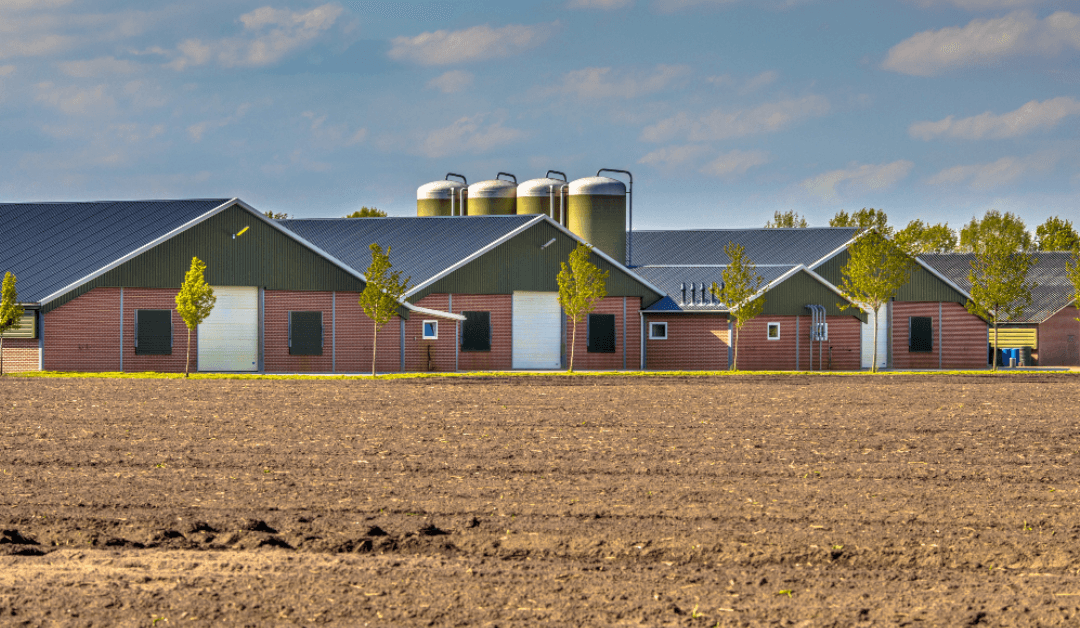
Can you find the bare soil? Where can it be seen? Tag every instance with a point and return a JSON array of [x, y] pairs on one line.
[[737, 501]]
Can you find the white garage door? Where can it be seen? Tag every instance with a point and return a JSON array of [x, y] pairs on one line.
[[229, 337], [882, 341], [537, 330]]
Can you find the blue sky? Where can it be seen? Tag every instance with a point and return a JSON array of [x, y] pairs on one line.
[[724, 110]]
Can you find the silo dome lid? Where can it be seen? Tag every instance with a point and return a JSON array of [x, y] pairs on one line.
[[493, 188], [539, 187], [440, 190], [598, 186]]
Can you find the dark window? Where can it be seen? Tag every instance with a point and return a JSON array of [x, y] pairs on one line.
[[476, 332], [601, 333], [305, 333], [153, 332], [920, 334]]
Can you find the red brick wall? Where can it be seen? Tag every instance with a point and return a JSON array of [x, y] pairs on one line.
[[20, 354], [276, 307], [961, 338], [430, 355], [84, 333], [583, 360], [155, 299], [1055, 349], [501, 357], [841, 352], [695, 342], [355, 335]]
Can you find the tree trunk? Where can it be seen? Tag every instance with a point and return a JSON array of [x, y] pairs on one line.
[[573, 341], [374, 345], [735, 354], [187, 356], [1, 356], [995, 343], [873, 358]]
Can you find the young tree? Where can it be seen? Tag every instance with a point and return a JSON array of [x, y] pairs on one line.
[[786, 220], [276, 215], [1073, 273], [1056, 235], [382, 294], [997, 228], [740, 283], [194, 302], [863, 219], [581, 286], [367, 212], [1000, 289], [876, 269], [11, 312], [918, 238]]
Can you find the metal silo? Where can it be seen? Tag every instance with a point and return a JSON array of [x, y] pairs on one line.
[[596, 212], [493, 197], [441, 198], [543, 196]]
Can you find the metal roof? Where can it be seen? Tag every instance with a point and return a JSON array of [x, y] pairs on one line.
[[52, 245], [672, 278], [420, 247], [763, 246], [1052, 292]]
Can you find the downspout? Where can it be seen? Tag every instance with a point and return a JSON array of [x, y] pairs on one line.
[[798, 364], [940, 336], [333, 325], [630, 192], [642, 338], [551, 188], [562, 203], [624, 333], [122, 329]]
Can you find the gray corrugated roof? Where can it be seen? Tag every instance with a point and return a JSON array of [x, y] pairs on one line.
[[670, 279], [763, 246], [49, 246], [421, 247], [1053, 292]]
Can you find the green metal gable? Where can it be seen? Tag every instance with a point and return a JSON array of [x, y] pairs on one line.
[[923, 286], [262, 256], [791, 297], [521, 264]]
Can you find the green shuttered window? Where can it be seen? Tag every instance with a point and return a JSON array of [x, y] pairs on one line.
[[153, 332], [305, 333], [476, 332], [920, 334], [601, 333]]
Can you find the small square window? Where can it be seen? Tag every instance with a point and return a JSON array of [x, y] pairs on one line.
[[657, 331], [431, 330], [774, 331]]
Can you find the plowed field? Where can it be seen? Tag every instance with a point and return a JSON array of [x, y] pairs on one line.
[[739, 501]]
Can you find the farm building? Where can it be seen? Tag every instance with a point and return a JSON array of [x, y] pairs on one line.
[[99, 280], [1048, 327]]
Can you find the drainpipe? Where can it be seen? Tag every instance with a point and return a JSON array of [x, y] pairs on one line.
[[463, 180], [566, 182], [562, 203], [630, 192], [463, 195]]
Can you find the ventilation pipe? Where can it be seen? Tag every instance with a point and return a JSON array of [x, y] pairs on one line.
[[630, 232], [463, 180], [551, 194]]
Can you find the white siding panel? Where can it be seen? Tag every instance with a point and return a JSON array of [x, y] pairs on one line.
[[537, 330], [868, 338], [229, 337]]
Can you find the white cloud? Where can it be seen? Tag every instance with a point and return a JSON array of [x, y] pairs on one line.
[[74, 100], [737, 162], [980, 5], [599, 83], [269, 36], [985, 41], [471, 44], [1031, 117], [334, 135], [671, 6], [101, 66], [720, 124], [759, 81], [451, 82], [17, 5], [988, 175], [672, 156], [39, 32], [6, 70], [607, 5], [197, 130], [858, 177], [474, 134]]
